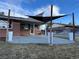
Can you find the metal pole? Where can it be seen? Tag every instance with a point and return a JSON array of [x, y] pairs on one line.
[[51, 25], [9, 19], [73, 20], [8, 24]]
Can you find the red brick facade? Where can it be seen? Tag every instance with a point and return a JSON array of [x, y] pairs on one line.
[[17, 30], [3, 33]]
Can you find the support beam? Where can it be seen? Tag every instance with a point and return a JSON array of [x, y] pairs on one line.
[[73, 21], [9, 21], [8, 25], [51, 25], [9, 33]]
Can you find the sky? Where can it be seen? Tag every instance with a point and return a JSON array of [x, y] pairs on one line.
[[20, 8]]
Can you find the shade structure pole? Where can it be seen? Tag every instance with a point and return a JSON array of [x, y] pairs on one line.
[[8, 25], [51, 25], [73, 21]]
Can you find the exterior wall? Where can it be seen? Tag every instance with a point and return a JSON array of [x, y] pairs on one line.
[[3, 26], [16, 28], [27, 32], [24, 33], [2, 32]]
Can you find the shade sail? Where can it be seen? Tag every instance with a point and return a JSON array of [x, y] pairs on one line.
[[67, 25], [71, 26], [47, 18]]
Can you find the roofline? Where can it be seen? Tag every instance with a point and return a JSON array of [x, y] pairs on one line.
[[19, 19]]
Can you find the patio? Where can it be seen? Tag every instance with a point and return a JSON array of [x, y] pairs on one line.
[[38, 39]]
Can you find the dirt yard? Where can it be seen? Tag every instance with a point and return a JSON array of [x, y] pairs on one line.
[[32, 51]]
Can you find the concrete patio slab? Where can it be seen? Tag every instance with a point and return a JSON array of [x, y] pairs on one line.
[[38, 40]]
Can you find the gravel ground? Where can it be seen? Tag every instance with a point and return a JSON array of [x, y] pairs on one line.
[[31, 51]]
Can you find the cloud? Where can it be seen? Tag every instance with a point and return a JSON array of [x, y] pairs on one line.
[[15, 10], [47, 10], [30, 1], [13, 2]]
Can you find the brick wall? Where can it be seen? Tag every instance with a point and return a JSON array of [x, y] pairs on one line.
[[25, 32], [2, 32], [16, 28]]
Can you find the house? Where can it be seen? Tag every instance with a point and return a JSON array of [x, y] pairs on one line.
[[20, 26]]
